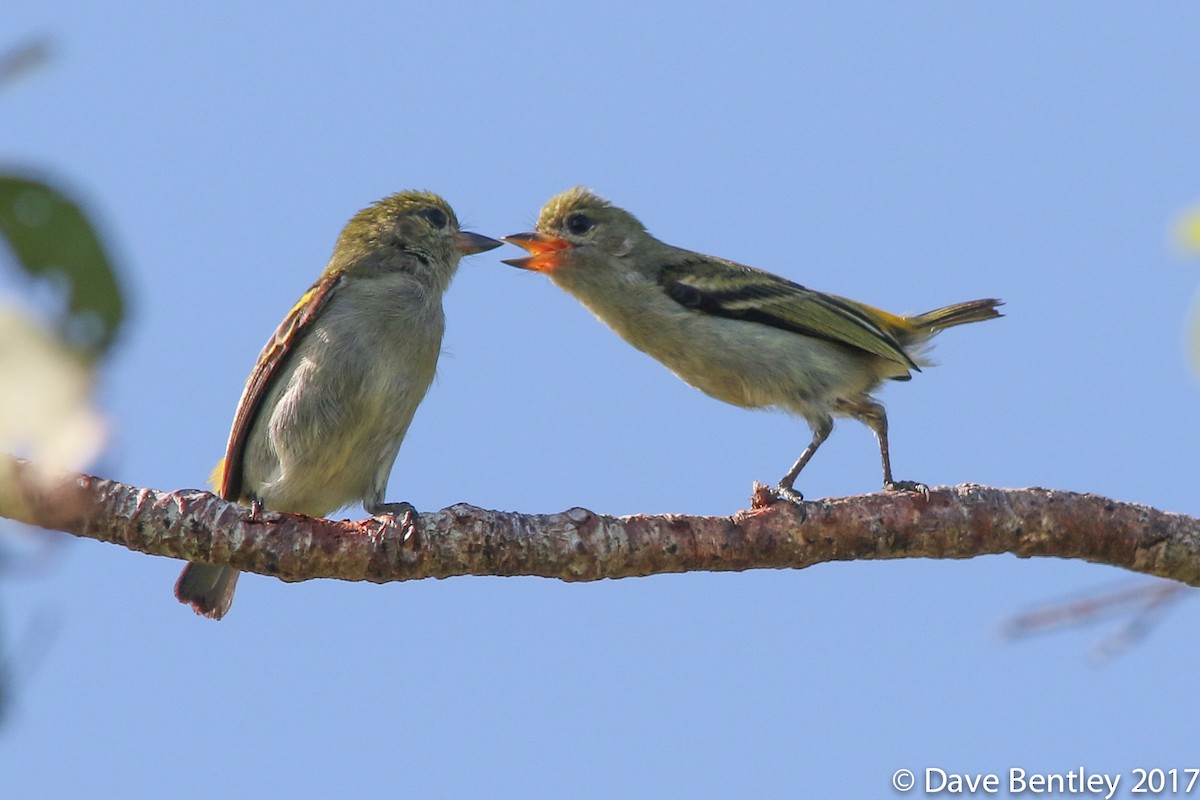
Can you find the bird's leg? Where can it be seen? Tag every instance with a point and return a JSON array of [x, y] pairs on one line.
[[405, 511], [821, 430], [874, 417]]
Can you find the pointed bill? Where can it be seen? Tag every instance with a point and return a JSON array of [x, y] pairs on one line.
[[547, 251]]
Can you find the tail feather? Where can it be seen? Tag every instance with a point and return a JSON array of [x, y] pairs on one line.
[[207, 588], [957, 314]]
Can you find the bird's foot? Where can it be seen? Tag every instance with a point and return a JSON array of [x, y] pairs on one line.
[[912, 487], [787, 494], [404, 513], [259, 514]]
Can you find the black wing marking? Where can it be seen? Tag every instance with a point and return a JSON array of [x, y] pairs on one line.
[[725, 289]]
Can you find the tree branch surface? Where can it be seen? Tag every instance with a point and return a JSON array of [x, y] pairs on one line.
[[580, 545]]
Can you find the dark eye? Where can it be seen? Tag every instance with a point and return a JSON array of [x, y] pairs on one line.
[[580, 224], [436, 217]]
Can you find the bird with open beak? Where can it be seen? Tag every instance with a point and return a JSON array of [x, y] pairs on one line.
[[739, 334]]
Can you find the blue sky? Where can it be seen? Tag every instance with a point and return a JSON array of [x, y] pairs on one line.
[[908, 155]]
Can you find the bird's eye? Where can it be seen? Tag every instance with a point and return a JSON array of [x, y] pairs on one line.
[[436, 217], [580, 224]]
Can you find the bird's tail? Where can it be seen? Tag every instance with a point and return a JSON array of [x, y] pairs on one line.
[[958, 314], [207, 588]]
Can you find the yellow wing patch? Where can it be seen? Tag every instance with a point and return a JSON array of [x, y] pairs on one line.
[[217, 477]]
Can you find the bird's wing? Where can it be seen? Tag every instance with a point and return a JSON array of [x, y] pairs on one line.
[[725, 289], [270, 365]]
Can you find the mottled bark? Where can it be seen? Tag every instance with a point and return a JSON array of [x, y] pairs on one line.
[[580, 545]]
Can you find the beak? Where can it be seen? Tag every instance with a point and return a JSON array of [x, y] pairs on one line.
[[468, 244], [547, 251]]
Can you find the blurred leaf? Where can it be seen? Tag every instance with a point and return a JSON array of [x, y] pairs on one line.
[[46, 405], [1187, 232], [25, 58], [1186, 235], [52, 238]]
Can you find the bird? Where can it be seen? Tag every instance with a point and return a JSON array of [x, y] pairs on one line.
[[331, 397], [739, 334]]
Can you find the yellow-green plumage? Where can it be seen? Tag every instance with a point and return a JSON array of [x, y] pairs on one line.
[[740, 334], [333, 392]]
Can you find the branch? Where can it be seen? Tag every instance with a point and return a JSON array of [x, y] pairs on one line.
[[579, 545]]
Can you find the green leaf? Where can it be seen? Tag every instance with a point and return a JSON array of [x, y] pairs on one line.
[[52, 238]]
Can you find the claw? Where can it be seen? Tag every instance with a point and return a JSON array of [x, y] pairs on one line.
[[409, 524], [907, 486], [402, 513]]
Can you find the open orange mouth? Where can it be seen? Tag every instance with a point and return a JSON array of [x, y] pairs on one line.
[[547, 251]]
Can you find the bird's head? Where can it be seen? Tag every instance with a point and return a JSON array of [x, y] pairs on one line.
[[576, 229], [411, 230]]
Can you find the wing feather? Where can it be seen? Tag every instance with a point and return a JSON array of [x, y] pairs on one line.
[[726, 289], [268, 368]]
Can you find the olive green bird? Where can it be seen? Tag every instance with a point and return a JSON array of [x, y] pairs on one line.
[[739, 334], [326, 407]]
